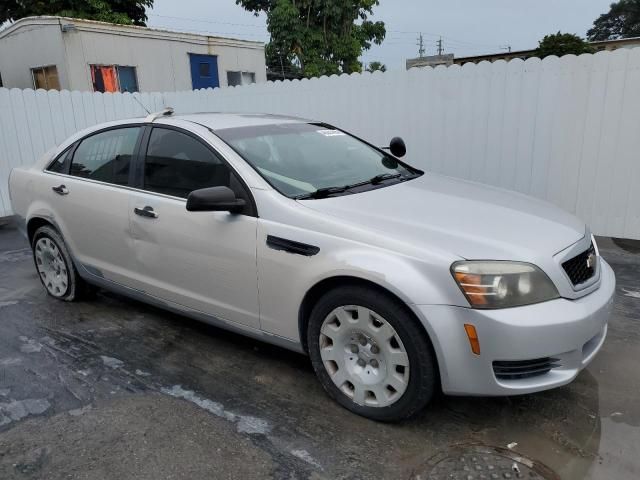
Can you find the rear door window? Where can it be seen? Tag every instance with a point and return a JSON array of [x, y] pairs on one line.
[[106, 156]]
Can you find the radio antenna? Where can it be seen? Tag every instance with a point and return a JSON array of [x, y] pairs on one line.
[[140, 103]]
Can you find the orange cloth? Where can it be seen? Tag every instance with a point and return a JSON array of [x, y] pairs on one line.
[[110, 79]]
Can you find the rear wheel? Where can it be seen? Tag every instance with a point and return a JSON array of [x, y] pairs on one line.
[[55, 267], [370, 355]]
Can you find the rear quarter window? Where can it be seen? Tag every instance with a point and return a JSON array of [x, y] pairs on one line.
[[61, 164]]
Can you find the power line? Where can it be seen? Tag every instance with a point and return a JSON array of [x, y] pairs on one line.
[[262, 26], [397, 35], [444, 37], [203, 20], [211, 32]]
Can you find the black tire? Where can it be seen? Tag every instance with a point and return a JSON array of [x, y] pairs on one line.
[[77, 288], [423, 375]]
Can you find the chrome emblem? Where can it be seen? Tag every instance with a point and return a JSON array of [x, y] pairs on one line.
[[591, 260]]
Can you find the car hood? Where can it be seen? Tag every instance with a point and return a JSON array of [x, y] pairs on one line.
[[467, 219]]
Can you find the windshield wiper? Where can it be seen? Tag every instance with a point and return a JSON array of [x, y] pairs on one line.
[[322, 192], [378, 179], [328, 191]]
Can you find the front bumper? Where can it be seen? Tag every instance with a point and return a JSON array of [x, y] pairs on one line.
[[571, 331]]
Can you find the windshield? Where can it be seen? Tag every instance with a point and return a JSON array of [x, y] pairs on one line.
[[299, 159]]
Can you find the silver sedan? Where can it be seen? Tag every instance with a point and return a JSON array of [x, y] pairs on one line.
[[394, 281]]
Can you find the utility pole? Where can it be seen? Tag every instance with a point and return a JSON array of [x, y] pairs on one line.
[[440, 49], [421, 49], [506, 47]]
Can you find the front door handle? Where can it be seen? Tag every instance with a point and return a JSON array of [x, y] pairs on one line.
[[147, 212], [60, 190]]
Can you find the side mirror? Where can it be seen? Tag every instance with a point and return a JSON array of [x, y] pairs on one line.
[[214, 199], [398, 147]]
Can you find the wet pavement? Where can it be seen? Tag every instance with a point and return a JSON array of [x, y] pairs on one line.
[[112, 388]]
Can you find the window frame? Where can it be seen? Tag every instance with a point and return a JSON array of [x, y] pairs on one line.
[[409, 167], [74, 147], [200, 64], [241, 72], [43, 68], [116, 68], [93, 134], [136, 169], [139, 170], [68, 152]]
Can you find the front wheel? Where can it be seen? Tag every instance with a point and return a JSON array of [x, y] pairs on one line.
[[370, 354]]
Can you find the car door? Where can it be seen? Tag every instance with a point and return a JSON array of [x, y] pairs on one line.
[[205, 261], [87, 189]]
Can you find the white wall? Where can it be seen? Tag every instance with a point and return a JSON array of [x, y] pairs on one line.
[[565, 130], [38, 44], [161, 57]]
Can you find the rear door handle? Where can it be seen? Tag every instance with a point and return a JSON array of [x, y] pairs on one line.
[[147, 212], [61, 190]]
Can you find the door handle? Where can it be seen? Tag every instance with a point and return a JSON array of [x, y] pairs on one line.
[[146, 212], [61, 190]]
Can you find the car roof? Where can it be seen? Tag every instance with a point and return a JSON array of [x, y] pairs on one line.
[[221, 121], [213, 121]]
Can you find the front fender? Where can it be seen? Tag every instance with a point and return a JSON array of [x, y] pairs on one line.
[[284, 279]]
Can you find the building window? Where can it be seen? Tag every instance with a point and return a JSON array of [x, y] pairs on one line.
[[114, 78], [205, 69], [46, 77], [240, 78]]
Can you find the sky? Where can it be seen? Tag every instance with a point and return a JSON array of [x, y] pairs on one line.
[[467, 27]]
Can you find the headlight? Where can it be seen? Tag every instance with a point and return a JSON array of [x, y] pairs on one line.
[[495, 284]]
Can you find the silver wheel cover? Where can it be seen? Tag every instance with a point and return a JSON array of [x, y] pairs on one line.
[[364, 356], [51, 267]]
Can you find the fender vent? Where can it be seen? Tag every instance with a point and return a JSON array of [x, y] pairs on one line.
[[515, 370], [290, 246]]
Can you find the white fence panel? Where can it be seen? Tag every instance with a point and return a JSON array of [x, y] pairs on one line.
[[565, 130]]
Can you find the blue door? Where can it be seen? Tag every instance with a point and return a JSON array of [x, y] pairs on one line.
[[204, 71]]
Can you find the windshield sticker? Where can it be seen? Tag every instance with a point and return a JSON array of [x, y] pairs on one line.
[[331, 133]]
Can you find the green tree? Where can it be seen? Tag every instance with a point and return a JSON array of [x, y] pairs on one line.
[[562, 44], [317, 37], [621, 21], [114, 11], [376, 66]]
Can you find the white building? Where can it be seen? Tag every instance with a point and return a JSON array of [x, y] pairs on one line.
[[73, 54]]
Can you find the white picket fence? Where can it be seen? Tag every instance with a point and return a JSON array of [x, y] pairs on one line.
[[565, 130]]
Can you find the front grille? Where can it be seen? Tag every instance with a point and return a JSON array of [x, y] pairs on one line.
[[514, 370], [579, 269]]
